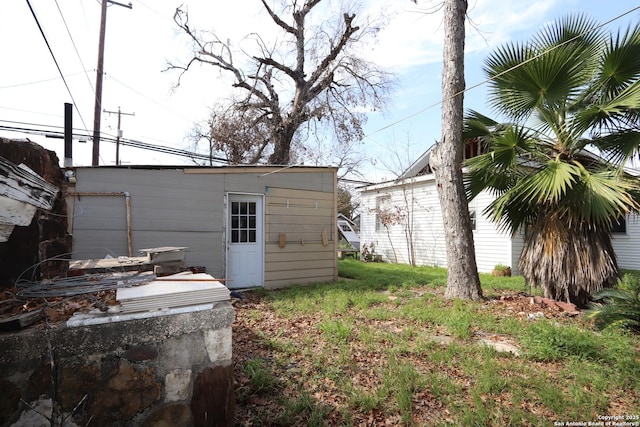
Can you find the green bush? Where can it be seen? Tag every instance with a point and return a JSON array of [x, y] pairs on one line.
[[618, 306]]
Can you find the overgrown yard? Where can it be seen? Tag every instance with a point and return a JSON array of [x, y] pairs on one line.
[[383, 347]]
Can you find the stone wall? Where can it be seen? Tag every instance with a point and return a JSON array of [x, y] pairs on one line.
[[169, 370]]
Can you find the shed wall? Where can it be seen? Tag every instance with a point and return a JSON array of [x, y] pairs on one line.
[[185, 207], [300, 218]]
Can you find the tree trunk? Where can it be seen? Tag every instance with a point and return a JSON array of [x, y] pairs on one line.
[[446, 161], [282, 138], [570, 262]]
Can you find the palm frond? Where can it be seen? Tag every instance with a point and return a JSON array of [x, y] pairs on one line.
[[621, 60], [618, 147], [577, 30], [617, 306], [549, 184], [602, 196], [477, 125]]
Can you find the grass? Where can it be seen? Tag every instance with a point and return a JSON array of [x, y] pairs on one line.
[[361, 352]]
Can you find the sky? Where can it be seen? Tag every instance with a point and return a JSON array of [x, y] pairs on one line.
[[141, 40]]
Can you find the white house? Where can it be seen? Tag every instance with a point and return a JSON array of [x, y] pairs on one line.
[[411, 210]]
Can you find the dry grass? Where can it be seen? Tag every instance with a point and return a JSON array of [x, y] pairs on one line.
[[361, 352]]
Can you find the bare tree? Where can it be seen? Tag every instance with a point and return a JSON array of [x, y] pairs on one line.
[[313, 74], [446, 162]]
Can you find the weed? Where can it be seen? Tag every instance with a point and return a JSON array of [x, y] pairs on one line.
[[367, 400], [304, 408], [336, 331], [261, 378], [548, 342], [401, 379], [380, 327]]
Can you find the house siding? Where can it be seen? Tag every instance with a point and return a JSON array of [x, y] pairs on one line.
[[627, 246], [418, 197], [186, 207], [420, 202], [492, 245]]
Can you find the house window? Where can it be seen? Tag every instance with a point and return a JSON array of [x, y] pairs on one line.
[[383, 204], [619, 226], [243, 222], [472, 216], [472, 148]]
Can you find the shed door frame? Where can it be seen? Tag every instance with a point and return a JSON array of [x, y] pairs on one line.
[[244, 250]]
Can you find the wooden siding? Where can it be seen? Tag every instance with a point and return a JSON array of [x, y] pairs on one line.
[[627, 245], [168, 208], [492, 245], [424, 214], [176, 207], [301, 216], [420, 196]]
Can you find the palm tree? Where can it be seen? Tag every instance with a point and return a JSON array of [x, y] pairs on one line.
[[571, 98]]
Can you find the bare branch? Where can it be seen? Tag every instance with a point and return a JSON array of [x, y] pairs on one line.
[[308, 82]]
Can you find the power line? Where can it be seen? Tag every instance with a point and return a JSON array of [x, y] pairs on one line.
[[75, 47], [33, 12], [435, 104], [41, 81], [54, 132], [29, 111], [159, 104]]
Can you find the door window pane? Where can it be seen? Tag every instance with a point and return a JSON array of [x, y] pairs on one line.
[[243, 222]]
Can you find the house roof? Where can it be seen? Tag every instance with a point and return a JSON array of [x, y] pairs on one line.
[[416, 170], [418, 165]]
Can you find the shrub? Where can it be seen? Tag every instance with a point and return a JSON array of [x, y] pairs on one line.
[[618, 306]]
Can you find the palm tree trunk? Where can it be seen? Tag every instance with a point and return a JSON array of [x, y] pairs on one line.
[[568, 263]]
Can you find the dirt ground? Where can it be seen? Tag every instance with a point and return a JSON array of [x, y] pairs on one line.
[[251, 335]]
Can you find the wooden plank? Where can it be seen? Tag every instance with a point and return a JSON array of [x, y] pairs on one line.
[[299, 256], [280, 193], [21, 183], [106, 265], [302, 196], [312, 247], [299, 265], [15, 212], [20, 321], [300, 276], [5, 231], [300, 210], [164, 253], [299, 220]]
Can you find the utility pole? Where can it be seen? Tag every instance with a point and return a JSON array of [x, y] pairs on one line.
[[99, 73], [119, 133]]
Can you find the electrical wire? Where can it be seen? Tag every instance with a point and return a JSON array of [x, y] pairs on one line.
[[151, 100], [41, 81], [51, 131], [75, 48], [435, 104], [35, 17]]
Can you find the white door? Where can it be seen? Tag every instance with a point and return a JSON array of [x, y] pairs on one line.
[[244, 241]]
